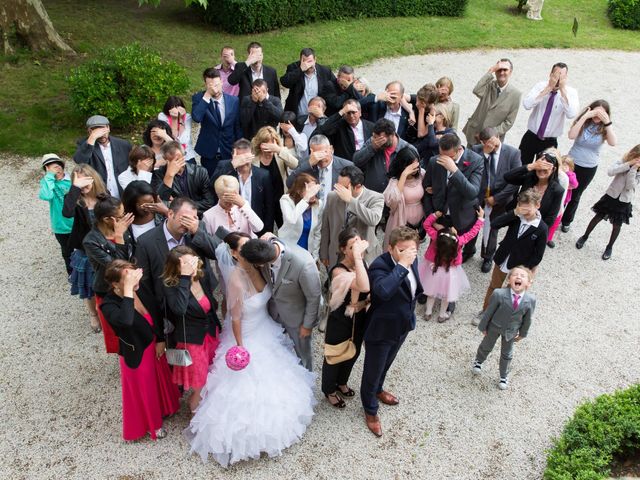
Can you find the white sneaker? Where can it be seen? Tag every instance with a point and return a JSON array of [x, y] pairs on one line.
[[477, 368], [503, 384]]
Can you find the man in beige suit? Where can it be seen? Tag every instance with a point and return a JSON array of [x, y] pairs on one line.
[[350, 205], [499, 103]]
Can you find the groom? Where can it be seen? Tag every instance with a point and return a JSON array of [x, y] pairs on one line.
[[295, 288], [395, 285]]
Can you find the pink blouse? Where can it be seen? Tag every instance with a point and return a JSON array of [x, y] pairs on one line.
[[430, 254]]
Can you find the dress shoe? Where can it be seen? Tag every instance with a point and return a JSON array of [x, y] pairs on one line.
[[486, 265], [565, 228], [387, 398], [607, 253], [373, 424], [551, 244], [467, 256], [422, 299], [580, 242]]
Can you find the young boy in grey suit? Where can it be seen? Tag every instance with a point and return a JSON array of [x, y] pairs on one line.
[[508, 316]]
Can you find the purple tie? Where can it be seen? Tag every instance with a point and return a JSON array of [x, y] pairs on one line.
[[355, 138], [516, 301], [547, 114]]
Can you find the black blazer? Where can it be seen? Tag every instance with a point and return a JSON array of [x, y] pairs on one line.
[[526, 250], [378, 109], [132, 329], [151, 254], [262, 197], [335, 97], [293, 79], [187, 315], [81, 220], [341, 136], [101, 252], [429, 145], [242, 75], [508, 160], [301, 119], [200, 188], [92, 155], [391, 314], [460, 194], [551, 200], [254, 116]]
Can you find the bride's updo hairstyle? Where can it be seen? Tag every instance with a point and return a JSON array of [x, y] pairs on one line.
[[233, 239], [258, 252]]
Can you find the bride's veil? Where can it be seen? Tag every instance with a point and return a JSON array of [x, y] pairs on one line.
[[236, 285]]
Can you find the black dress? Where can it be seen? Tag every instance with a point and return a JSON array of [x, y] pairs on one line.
[[339, 328], [613, 209]]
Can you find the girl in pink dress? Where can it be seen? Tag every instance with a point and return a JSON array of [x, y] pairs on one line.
[[441, 271], [566, 167], [148, 394]]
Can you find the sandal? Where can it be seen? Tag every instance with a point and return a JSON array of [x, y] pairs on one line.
[[339, 401], [348, 393], [160, 433], [95, 323]]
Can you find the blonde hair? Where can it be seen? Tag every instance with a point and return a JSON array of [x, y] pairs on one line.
[[442, 109], [521, 267], [97, 188], [445, 82], [632, 154], [264, 135], [226, 184], [567, 160]]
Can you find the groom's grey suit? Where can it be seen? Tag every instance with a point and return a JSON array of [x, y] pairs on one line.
[[296, 296]]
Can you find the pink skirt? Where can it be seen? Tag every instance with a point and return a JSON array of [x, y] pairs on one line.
[[148, 395], [195, 375], [449, 285]]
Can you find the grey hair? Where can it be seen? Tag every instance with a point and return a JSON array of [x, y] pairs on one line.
[[319, 140]]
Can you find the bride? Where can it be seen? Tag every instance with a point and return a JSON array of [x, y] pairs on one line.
[[267, 406]]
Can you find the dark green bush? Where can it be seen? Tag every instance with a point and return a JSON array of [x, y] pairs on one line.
[[128, 85], [600, 429], [624, 14], [252, 16]]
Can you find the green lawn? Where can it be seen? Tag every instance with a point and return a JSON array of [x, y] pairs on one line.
[[35, 113]]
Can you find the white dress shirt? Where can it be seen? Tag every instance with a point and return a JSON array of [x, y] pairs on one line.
[[275, 266], [310, 91], [126, 177], [325, 179], [245, 187], [256, 75], [112, 181], [394, 116], [413, 283], [308, 127], [560, 112], [358, 133]]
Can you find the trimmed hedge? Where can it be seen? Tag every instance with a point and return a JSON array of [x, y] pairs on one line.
[[599, 429], [252, 16], [624, 14], [128, 85]]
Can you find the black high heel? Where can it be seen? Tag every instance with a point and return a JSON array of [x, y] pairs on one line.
[[339, 404], [348, 393]]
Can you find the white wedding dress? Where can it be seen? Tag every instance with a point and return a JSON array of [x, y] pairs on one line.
[[265, 407]]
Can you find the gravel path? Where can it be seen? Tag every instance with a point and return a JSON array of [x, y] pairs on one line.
[[60, 393]]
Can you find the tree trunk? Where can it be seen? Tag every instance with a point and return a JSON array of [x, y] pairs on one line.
[[27, 22]]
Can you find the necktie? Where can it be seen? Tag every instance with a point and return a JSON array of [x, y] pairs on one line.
[[355, 138], [516, 301], [546, 115], [322, 174], [492, 169], [497, 91], [216, 112]]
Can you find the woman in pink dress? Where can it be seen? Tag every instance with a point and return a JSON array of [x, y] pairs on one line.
[[148, 394], [192, 309], [404, 193]]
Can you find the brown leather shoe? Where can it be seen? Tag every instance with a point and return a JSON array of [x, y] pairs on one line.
[[388, 398], [373, 424]]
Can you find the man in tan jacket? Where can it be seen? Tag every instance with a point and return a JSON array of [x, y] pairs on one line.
[[499, 103]]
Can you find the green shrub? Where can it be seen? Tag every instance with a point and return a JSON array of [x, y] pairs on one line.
[[600, 429], [128, 85], [624, 14], [251, 16]]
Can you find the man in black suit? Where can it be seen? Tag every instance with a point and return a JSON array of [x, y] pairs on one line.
[[255, 182], [495, 193], [389, 105], [314, 117], [322, 164], [245, 73], [181, 179], [259, 109], [182, 227], [305, 79], [395, 285], [341, 89], [110, 157], [346, 130]]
